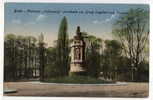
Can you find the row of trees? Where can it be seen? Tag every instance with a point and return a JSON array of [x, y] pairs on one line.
[[125, 58], [23, 56]]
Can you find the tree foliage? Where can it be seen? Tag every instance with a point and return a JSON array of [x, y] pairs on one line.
[[111, 57], [62, 55], [28, 57], [42, 52], [20, 57], [133, 30], [93, 45]]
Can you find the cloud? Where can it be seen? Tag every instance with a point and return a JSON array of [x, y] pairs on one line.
[[16, 21], [97, 22], [40, 17], [113, 16]]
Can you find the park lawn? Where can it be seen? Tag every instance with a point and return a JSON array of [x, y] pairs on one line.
[[77, 80]]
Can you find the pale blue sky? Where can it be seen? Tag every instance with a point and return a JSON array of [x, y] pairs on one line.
[[25, 23]]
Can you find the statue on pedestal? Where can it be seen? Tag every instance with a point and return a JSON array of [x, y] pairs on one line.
[[77, 66]]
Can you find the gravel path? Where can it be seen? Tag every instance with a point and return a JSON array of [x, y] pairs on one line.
[[59, 90]]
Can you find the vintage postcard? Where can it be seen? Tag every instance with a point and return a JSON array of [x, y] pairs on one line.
[[76, 50]]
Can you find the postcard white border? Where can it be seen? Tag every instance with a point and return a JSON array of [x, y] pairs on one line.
[[83, 1]]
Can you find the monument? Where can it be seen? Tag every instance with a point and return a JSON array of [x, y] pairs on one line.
[[77, 66]]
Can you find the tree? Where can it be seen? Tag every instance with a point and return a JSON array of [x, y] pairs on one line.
[[111, 56], [133, 30], [62, 57], [10, 57], [20, 53], [93, 45], [51, 69], [41, 56]]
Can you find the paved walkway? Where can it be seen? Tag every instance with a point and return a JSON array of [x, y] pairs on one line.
[[61, 90]]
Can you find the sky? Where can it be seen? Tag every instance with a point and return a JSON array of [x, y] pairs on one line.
[[36, 18]]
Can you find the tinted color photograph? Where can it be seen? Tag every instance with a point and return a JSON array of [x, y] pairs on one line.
[[76, 50]]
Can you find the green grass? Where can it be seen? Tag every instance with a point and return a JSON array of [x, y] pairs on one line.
[[77, 80]]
